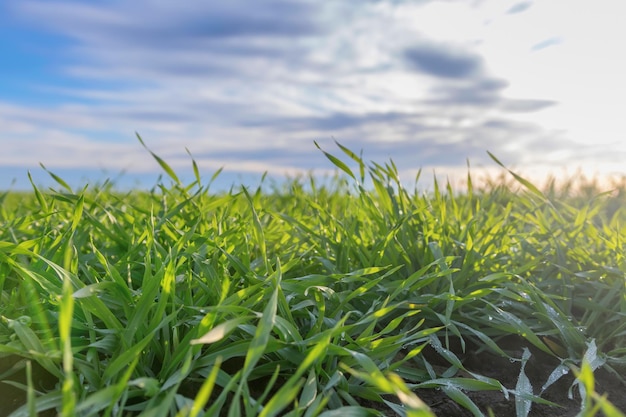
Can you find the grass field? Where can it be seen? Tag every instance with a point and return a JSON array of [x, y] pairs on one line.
[[355, 297]]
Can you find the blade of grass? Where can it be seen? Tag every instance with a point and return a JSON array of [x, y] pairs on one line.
[[170, 172]]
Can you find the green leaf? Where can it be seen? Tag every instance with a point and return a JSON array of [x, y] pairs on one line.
[[40, 198], [350, 411], [462, 399], [196, 171], [355, 158], [520, 179], [65, 335], [126, 359], [205, 390], [258, 231], [337, 162], [524, 387], [58, 179], [160, 161]]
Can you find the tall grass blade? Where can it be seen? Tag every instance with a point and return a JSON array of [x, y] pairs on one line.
[[530, 186], [40, 198], [337, 162], [65, 337], [170, 172], [58, 179]]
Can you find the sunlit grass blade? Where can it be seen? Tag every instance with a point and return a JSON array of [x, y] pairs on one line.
[[205, 391], [40, 198], [65, 338], [336, 161], [392, 384], [170, 172], [530, 186], [258, 232], [355, 158], [58, 179], [220, 331]]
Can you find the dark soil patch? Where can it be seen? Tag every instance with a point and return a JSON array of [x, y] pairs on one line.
[[13, 368], [538, 369]]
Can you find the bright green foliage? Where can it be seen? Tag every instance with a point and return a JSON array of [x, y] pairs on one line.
[[305, 300]]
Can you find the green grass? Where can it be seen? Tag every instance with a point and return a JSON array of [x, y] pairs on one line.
[[304, 299]]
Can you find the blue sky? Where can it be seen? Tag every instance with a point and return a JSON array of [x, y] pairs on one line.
[[248, 85]]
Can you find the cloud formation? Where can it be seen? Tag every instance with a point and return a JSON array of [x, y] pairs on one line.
[[546, 43], [250, 86], [520, 7], [443, 61]]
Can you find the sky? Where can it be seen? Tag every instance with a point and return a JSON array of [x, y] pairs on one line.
[[249, 85]]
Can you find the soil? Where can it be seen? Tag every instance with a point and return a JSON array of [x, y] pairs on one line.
[[12, 397], [538, 369]]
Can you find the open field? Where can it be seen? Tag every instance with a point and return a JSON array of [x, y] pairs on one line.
[[358, 297]]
